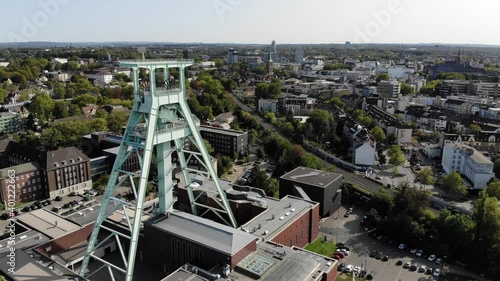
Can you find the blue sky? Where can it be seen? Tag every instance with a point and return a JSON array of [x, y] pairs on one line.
[[252, 21]]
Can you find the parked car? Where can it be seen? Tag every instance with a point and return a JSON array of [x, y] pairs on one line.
[[339, 245], [422, 268], [349, 268], [26, 209], [58, 198], [34, 207], [430, 270], [341, 267], [402, 246], [419, 253], [56, 209], [5, 216], [344, 248], [385, 258], [437, 272], [73, 193], [356, 270], [407, 264], [370, 275], [379, 256], [400, 262], [345, 251], [66, 206], [339, 254], [438, 261], [335, 257], [373, 254], [413, 251], [432, 257], [414, 267]]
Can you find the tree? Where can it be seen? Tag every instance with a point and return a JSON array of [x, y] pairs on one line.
[[425, 176], [336, 101], [59, 91], [209, 147], [453, 183], [378, 134], [3, 95], [396, 156], [100, 183], [262, 91], [493, 190], [42, 107], [224, 164], [487, 218], [382, 201], [116, 121], [60, 110], [451, 76], [383, 77], [407, 89], [84, 100], [474, 128]]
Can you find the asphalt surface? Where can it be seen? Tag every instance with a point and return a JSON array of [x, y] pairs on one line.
[[337, 228]]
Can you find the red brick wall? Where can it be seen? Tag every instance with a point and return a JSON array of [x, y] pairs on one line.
[[67, 241], [248, 249], [302, 231]]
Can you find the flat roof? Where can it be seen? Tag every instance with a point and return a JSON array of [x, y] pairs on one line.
[[222, 131], [48, 223], [311, 177], [212, 235], [183, 274], [29, 268], [277, 217]]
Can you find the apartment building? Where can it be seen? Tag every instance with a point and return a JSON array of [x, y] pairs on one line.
[[469, 162]]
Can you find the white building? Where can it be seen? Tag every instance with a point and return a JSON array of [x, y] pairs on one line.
[[476, 167], [59, 60], [101, 77]]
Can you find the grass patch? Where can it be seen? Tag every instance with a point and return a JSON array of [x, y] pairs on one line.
[[322, 247], [455, 277]]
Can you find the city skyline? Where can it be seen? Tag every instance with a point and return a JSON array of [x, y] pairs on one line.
[[252, 22]]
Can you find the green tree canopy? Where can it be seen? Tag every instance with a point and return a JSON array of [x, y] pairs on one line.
[[425, 176], [383, 77], [450, 76], [378, 134], [493, 190], [396, 156], [42, 107], [407, 89], [453, 183]]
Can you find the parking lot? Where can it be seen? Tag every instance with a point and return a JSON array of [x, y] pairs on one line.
[[354, 235]]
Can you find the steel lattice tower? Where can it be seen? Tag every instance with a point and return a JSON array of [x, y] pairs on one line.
[[160, 118]]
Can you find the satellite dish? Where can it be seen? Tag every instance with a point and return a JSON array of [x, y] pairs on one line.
[[142, 50]]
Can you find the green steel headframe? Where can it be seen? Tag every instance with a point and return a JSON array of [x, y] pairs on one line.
[[160, 118]]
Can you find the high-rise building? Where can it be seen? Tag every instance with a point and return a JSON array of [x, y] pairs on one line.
[[232, 56], [299, 55], [269, 64], [273, 47]]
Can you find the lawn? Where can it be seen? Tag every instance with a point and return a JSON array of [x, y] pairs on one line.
[[455, 277], [321, 247]]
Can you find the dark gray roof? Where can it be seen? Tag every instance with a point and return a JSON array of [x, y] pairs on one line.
[[455, 102], [65, 156], [212, 235], [311, 177]]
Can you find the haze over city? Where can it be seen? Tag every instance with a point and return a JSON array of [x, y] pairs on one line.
[[256, 21]]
